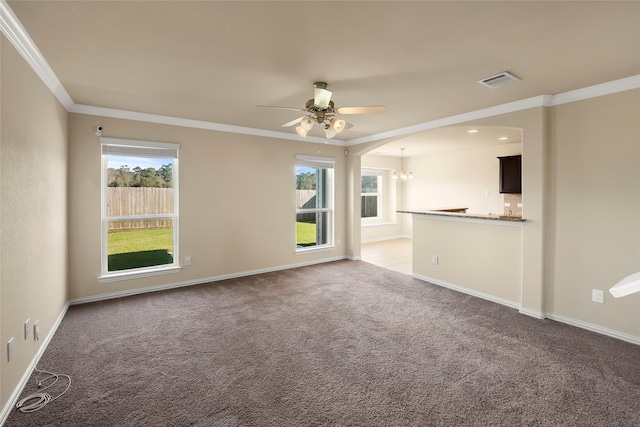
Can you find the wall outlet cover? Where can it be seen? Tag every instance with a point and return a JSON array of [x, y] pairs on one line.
[[10, 350], [36, 330], [597, 295]]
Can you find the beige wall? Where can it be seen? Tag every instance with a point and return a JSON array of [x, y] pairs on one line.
[[237, 202], [581, 195], [535, 190], [482, 256], [596, 208], [33, 213], [458, 179]]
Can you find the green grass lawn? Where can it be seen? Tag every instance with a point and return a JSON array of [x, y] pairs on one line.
[[305, 233], [121, 242], [149, 247], [139, 248]]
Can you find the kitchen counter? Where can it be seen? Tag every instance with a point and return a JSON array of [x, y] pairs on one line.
[[461, 213]]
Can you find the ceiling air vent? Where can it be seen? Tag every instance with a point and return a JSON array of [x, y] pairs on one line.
[[498, 80]]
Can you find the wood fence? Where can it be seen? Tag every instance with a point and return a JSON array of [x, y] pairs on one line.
[[124, 201], [303, 196]]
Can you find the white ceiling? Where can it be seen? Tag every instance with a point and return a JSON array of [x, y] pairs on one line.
[[215, 61]]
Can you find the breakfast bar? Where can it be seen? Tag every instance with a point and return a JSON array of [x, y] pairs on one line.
[[473, 253]]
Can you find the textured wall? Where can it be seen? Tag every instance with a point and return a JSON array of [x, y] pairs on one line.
[[596, 208], [221, 230], [33, 213]]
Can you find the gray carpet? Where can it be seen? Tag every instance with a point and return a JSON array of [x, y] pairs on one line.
[[342, 344]]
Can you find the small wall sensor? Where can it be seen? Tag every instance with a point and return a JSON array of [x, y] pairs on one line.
[[99, 131]]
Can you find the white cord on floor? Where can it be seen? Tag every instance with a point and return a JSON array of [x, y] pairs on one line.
[[41, 398]]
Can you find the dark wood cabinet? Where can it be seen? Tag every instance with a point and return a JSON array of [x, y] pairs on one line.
[[511, 174]]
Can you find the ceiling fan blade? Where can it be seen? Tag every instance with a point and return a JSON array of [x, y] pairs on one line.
[[293, 122], [322, 97], [281, 108], [374, 109], [347, 125]]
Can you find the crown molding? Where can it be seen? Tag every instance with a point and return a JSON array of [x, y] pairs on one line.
[[196, 124], [524, 104], [614, 86], [15, 32], [595, 91]]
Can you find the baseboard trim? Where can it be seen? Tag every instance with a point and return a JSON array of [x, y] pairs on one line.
[[594, 328], [13, 399], [532, 313], [468, 291], [138, 291]]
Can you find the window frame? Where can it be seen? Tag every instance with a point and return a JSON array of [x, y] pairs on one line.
[[327, 163], [135, 148], [379, 174]]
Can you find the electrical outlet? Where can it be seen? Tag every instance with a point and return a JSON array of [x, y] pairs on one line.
[[26, 329], [519, 205], [10, 350], [434, 259], [36, 330], [187, 260], [597, 296]]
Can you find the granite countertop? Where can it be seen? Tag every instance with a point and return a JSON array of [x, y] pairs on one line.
[[458, 213]]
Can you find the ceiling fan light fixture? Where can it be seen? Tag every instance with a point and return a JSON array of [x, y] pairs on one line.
[[338, 124], [322, 96], [307, 123], [330, 132], [301, 131], [321, 110]]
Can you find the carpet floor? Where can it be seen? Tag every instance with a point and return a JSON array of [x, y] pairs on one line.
[[344, 343]]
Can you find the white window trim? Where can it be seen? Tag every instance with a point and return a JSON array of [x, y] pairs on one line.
[[377, 173], [327, 163], [135, 273]]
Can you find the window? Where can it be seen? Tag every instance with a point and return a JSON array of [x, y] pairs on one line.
[[371, 194], [140, 207], [314, 202]]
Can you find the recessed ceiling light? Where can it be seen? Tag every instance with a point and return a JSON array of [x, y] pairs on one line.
[[503, 138], [472, 131]]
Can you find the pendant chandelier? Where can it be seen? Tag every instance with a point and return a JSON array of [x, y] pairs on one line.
[[403, 174]]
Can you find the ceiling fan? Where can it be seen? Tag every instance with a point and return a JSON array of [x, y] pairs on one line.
[[321, 110]]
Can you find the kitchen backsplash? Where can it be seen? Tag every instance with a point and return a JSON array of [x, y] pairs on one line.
[[515, 204]]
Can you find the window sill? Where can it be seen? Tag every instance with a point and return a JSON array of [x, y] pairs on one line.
[[377, 224], [301, 251], [138, 274]]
